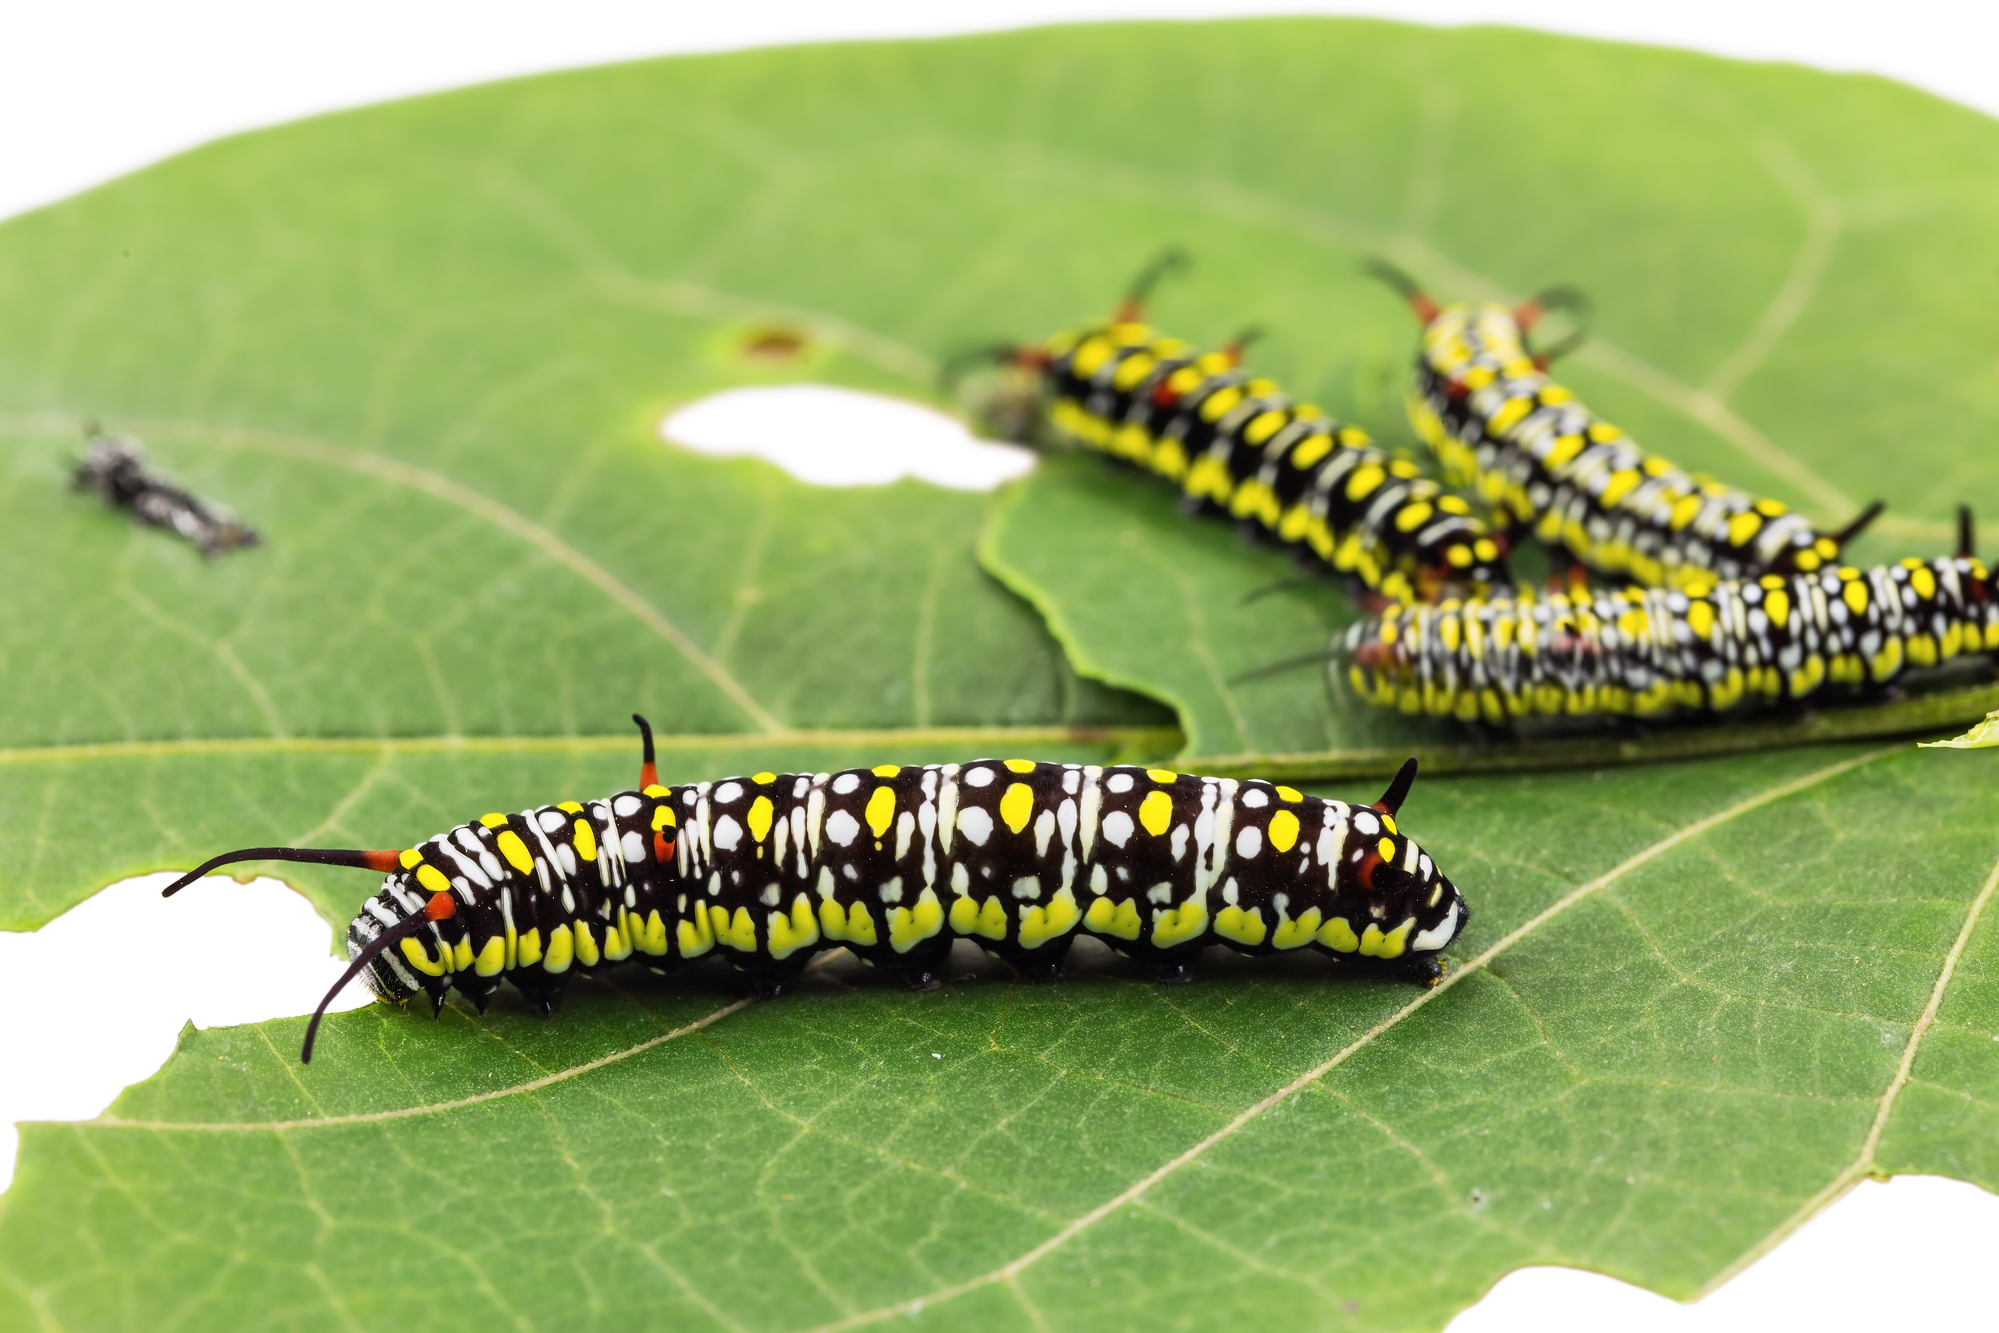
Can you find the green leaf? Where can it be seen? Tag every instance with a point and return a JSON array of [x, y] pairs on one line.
[[424, 348], [1981, 737]]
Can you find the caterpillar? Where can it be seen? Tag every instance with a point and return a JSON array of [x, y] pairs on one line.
[[1701, 647], [1481, 398], [115, 467], [894, 863], [1238, 445]]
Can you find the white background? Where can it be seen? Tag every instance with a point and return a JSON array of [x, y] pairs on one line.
[[90, 89]]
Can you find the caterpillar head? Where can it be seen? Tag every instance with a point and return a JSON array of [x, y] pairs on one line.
[[1403, 905], [401, 911]]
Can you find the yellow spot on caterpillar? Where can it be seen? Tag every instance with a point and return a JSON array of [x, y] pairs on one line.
[[965, 915], [759, 817], [1388, 822], [561, 950], [1040, 923], [1296, 934], [886, 770], [789, 934], [618, 938], [1771, 508], [1020, 765], [654, 790], [992, 919], [662, 817], [1244, 927], [1155, 812], [652, 938], [1017, 806], [586, 943], [1742, 527], [493, 821], [1924, 582], [739, 932], [861, 924], [1855, 595], [492, 958], [586, 841], [529, 952], [1364, 479], [571, 806], [763, 779], [696, 935], [1290, 794], [1386, 847], [909, 926], [1120, 919], [1171, 925], [411, 857], [1262, 427], [420, 959], [1777, 606], [433, 879], [1283, 830], [1219, 402], [1164, 777], [1700, 619], [1310, 450], [1377, 945], [516, 852], [1338, 936], [461, 955], [881, 810], [1413, 516]]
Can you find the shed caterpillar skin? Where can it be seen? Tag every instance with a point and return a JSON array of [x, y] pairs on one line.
[[1709, 647], [1236, 444], [894, 863], [1484, 403]]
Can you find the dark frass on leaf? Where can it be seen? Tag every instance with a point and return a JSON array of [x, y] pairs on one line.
[[115, 467]]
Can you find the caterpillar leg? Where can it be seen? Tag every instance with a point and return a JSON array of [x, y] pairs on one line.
[[1173, 971]]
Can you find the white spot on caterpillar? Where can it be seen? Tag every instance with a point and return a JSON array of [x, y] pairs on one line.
[[1117, 825], [961, 879], [975, 824], [1180, 834], [552, 821], [1027, 887], [635, 847], [1437, 936], [1072, 780], [728, 833], [1100, 883], [891, 892], [1118, 782], [1044, 829], [1365, 821], [769, 896], [627, 805], [1248, 843], [978, 777], [841, 827], [846, 783], [1160, 893], [1254, 798]]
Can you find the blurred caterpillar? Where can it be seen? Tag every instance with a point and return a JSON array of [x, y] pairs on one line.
[[1702, 647], [894, 863], [1237, 445], [1481, 399]]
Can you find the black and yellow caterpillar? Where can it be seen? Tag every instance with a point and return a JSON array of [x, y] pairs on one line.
[[1500, 427], [893, 863], [1700, 647], [1237, 445]]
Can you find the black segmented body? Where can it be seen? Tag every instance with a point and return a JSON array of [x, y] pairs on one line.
[[895, 863], [1238, 445], [1501, 426], [1704, 647]]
